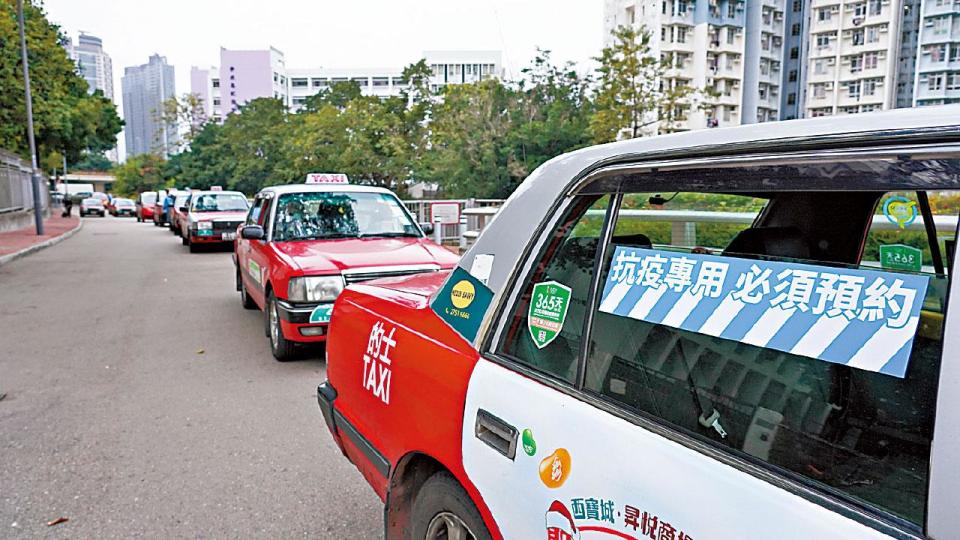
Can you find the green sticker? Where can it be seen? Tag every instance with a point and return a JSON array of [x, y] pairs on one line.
[[548, 310], [462, 303], [254, 270], [529, 444], [901, 257], [321, 314]]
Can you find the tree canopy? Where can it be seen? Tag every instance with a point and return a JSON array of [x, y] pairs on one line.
[[472, 140], [68, 121]]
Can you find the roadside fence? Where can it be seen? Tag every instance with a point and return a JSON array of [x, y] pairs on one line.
[[16, 193]]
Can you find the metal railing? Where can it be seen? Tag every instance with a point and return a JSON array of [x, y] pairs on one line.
[[683, 229], [420, 208], [15, 190]]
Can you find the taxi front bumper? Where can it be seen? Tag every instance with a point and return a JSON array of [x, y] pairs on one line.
[[295, 322]]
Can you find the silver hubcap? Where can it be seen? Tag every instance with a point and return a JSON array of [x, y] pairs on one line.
[[274, 325], [447, 526]]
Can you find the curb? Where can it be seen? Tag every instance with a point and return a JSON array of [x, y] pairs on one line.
[[37, 247]]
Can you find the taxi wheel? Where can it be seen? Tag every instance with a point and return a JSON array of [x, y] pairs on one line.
[[443, 510], [282, 348], [193, 247], [183, 239]]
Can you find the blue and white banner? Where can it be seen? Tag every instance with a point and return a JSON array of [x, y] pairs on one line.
[[861, 318]]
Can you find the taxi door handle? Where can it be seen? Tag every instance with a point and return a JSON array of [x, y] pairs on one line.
[[496, 434]]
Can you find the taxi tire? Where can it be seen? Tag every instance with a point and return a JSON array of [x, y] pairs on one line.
[[441, 493], [284, 350], [183, 239]]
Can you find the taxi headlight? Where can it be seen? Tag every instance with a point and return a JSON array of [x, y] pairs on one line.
[[314, 288], [204, 225]]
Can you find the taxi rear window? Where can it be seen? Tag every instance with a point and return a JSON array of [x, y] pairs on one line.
[[799, 330]]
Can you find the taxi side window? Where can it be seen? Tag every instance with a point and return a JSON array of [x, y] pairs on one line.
[[775, 396], [254, 214], [547, 321]]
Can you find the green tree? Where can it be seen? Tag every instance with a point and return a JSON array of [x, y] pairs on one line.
[[338, 94], [469, 157], [552, 116], [93, 161], [253, 139], [635, 91], [186, 110], [139, 173], [67, 119]]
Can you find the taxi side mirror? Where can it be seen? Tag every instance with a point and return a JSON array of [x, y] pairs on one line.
[[182, 209], [252, 232], [427, 228]]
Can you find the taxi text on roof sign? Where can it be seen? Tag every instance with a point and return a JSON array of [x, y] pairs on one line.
[[216, 188], [327, 178]]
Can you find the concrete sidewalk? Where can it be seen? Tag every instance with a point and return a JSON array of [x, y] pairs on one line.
[[15, 244]]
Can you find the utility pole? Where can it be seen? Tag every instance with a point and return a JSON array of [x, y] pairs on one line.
[[34, 175]]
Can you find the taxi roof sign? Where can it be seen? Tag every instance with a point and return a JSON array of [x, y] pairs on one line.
[[327, 178], [216, 188]]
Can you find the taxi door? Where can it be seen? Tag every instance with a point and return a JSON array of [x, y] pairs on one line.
[[252, 259], [554, 455]]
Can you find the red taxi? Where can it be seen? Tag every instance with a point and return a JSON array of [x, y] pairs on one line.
[[767, 350], [301, 244], [145, 202], [212, 217]]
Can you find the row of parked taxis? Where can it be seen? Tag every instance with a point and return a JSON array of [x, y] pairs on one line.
[[728, 333]]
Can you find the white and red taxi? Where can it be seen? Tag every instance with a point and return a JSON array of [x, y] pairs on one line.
[[211, 217], [301, 244], [765, 351]]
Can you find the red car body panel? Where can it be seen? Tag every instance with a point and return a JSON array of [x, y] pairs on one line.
[[429, 358]]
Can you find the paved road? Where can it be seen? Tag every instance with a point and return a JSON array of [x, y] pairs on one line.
[[114, 419]]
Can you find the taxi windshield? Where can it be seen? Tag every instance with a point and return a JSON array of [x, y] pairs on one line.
[[318, 215], [220, 202]]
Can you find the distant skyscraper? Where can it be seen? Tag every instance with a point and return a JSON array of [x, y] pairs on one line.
[[145, 88], [94, 64]]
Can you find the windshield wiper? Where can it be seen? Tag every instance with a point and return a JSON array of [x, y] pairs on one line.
[[389, 234]]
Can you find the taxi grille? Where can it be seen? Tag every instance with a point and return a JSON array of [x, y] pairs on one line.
[[226, 226], [377, 273]]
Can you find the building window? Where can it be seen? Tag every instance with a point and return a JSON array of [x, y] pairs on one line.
[[953, 81], [856, 63], [792, 98], [216, 102], [362, 82], [216, 83], [794, 53], [381, 81], [299, 83], [681, 32], [853, 89], [858, 37], [955, 52], [935, 82], [823, 14], [873, 34], [797, 6], [317, 83], [869, 87], [819, 91], [876, 7], [795, 29], [823, 41], [870, 60], [792, 76]]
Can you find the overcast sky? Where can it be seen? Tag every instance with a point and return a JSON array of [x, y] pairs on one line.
[[328, 33]]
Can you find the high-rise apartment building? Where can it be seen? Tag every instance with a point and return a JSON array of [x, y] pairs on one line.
[[93, 63], [732, 47], [145, 88], [937, 78], [793, 78], [852, 64]]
